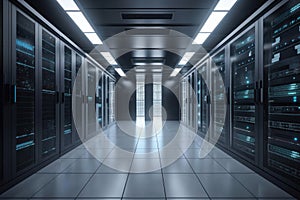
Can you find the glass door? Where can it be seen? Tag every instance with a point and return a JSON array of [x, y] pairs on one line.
[[282, 92], [99, 99], [24, 90], [91, 80], [218, 97], [243, 93], [49, 102], [67, 98], [78, 99]]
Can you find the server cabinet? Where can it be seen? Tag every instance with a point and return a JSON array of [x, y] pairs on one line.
[[111, 100], [282, 93], [79, 68], [183, 101], [24, 92], [104, 86], [67, 78], [219, 100], [48, 95], [91, 103], [99, 98], [244, 82], [203, 99]]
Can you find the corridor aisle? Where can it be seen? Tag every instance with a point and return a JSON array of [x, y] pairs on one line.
[[78, 175]]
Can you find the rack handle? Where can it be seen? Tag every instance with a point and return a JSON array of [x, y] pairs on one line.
[[63, 97], [14, 94], [57, 96]]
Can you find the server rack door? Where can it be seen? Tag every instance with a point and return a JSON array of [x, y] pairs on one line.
[[24, 76], [99, 98], [107, 100], [104, 101], [78, 84], [111, 100], [243, 52], [48, 95], [282, 93], [91, 89], [219, 103], [199, 102], [66, 98]]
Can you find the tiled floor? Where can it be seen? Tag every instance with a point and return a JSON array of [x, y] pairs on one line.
[[78, 175]]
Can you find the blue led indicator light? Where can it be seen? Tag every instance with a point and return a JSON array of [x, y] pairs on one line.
[[295, 139]]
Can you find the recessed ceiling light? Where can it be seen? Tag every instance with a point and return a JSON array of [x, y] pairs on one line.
[[108, 57], [120, 71], [175, 71], [200, 38], [225, 5], [81, 21], [93, 37], [68, 5], [186, 57], [212, 22]]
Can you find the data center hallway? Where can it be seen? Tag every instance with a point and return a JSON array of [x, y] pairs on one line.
[[78, 175]]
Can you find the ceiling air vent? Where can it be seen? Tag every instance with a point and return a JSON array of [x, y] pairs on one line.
[[147, 16]]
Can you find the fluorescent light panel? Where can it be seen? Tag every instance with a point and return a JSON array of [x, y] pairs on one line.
[[93, 37], [225, 5], [212, 22], [186, 57], [77, 16], [220, 11], [109, 58], [68, 5], [151, 63], [120, 71], [200, 38], [81, 21], [175, 71]]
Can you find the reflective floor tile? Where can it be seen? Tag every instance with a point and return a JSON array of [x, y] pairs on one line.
[[183, 185], [206, 166], [121, 165], [215, 153], [223, 186], [64, 186], [233, 166], [29, 186], [260, 187], [179, 166], [57, 166], [88, 166], [145, 166], [105, 185], [144, 186]]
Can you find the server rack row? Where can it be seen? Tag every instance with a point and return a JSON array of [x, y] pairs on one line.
[[257, 76], [40, 72]]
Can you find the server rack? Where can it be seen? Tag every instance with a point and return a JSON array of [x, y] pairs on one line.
[[24, 74], [203, 99], [48, 94], [244, 83], [282, 92], [220, 95], [91, 103], [99, 99]]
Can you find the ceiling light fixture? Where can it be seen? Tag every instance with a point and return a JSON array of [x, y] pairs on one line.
[[68, 5], [186, 57], [175, 72], [77, 16], [108, 57], [120, 71], [225, 5], [200, 38], [212, 22], [93, 37], [219, 12]]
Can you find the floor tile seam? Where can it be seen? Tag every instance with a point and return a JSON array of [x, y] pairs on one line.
[[197, 177], [237, 180], [162, 174]]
